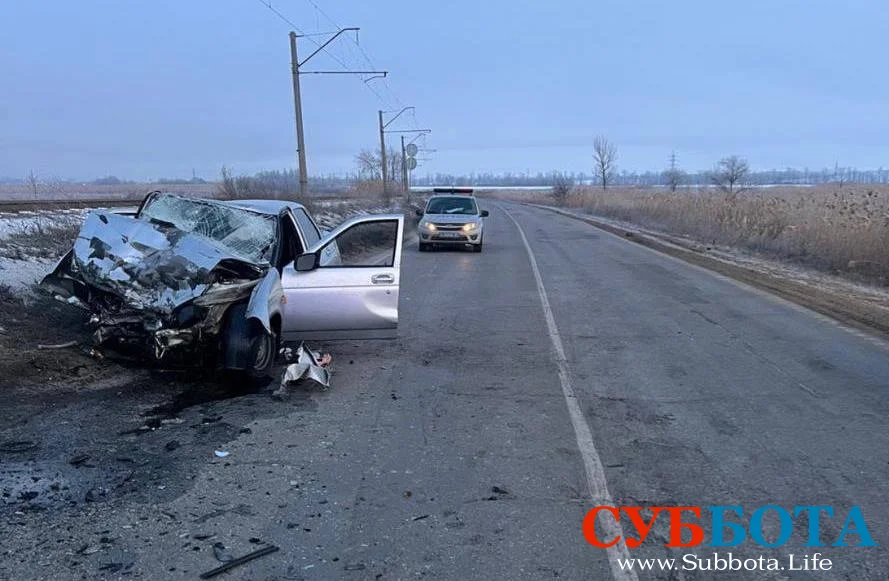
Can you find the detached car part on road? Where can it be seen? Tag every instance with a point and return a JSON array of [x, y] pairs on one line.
[[188, 279], [453, 220]]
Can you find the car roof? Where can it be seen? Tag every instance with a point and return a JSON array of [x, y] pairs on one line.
[[271, 207], [451, 196]]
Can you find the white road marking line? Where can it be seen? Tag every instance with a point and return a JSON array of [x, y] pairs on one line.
[[595, 473]]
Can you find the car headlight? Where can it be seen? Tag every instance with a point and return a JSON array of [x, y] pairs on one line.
[[471, 226], [430, 226]]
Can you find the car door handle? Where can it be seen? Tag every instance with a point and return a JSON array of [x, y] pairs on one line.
[[382, 279]]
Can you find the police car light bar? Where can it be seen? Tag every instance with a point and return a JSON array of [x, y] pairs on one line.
[[452, 190]]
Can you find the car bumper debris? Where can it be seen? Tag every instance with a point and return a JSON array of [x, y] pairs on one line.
[[305, 364]]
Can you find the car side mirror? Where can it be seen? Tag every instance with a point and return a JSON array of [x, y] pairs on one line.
[[484, 214], [306, 262], [419, 212]]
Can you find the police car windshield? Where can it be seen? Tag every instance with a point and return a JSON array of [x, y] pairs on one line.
[[451, 205]]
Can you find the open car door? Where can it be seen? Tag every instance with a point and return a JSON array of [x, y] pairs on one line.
[[355, 295]]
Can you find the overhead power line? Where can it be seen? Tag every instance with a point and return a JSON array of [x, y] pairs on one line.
[[395, 102], [390, 99], [370, 73], [290, 23]]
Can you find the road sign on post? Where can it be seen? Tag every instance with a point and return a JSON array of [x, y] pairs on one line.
[[409, 163]]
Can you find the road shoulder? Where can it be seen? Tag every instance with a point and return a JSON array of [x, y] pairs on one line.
[[848, 304]]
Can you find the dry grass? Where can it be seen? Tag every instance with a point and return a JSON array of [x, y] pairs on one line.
[[842, 231], [67, 192]]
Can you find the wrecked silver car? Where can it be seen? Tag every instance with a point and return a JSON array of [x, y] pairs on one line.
[[188, 280]]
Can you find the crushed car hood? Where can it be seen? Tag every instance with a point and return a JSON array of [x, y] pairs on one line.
[[151, 266]]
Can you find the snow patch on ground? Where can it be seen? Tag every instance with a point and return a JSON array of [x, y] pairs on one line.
[[19, 223], [23, 274]]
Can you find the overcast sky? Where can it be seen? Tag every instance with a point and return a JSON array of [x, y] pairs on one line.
[[149, 89]]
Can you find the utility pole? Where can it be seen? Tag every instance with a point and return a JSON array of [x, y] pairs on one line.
[[404, 185], [383, 153], [383, 133], [298, 110], [295, 65]]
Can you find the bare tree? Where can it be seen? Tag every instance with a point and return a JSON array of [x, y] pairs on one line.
[[839, 174], [673, 176], [369, 168], [563, 185], [227, 187], [731, 174], [393, 160], [604, 161], [368, 164], [32, 182]]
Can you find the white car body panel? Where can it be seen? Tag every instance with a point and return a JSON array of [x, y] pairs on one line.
[[334, 301]]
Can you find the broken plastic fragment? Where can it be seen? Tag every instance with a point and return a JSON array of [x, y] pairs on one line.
[[221, 453], [308, 365]]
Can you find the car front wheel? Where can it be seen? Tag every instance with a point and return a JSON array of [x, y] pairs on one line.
[[247, 346], [261, 357]]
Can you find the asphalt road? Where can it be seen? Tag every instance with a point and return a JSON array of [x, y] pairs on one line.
[[451, 452]]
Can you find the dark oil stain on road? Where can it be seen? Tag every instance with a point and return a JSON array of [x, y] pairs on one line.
[[140, 438]]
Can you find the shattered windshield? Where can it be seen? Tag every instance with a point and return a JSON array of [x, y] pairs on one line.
[[246, 234], [455, 205]]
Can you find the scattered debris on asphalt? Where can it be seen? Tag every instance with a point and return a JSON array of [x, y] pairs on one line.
[[58, 345], [17, 446], [79, 459], [303, 363], [221, 453], [221, 553], [499, 493], [94, 494], [88, 550], [355, 567], [239, 561], [171, 445]]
